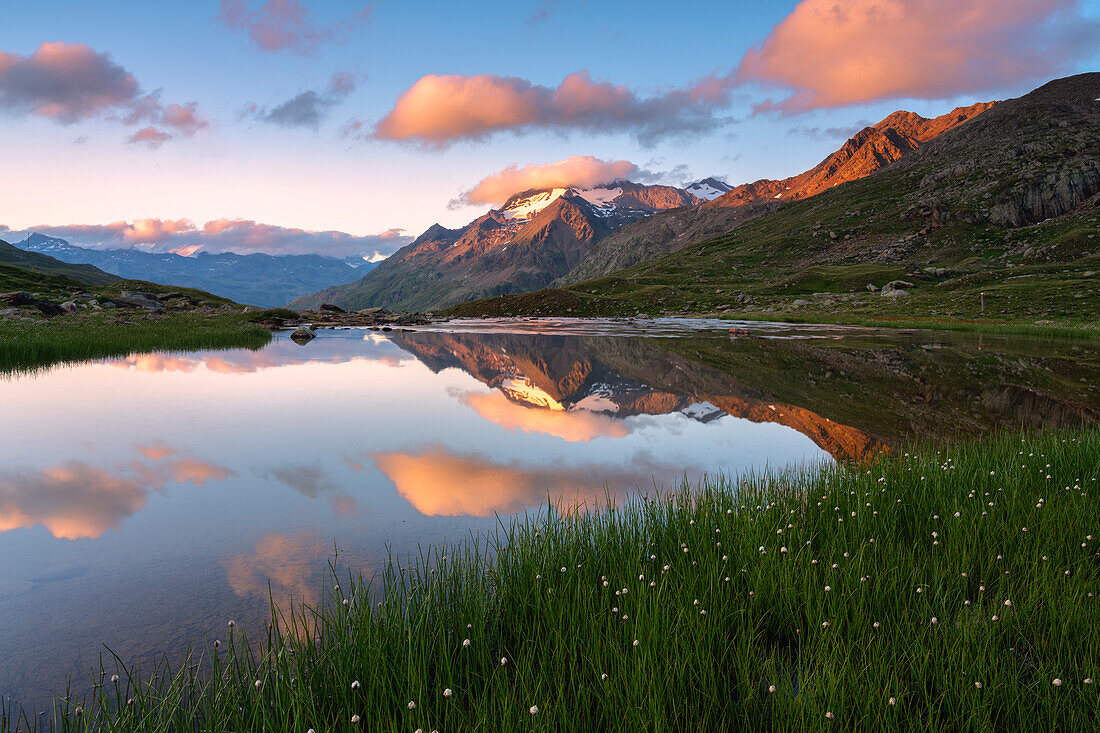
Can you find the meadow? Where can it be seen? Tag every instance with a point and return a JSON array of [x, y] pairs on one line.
[[953, 587], [30, 343]]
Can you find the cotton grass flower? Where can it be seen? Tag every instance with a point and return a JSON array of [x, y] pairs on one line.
[[412, 705], [534, 710], [355, 685], [447, 692], [465, 642], [355, 718], [1057, 682]]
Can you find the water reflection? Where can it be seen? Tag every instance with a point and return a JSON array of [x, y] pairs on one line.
[[173, 488], [438, 482], [78, 500]]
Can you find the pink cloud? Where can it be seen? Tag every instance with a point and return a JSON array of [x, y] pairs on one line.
[[243, 236], [149, 136], [65, 82], [832, 53], [576, 170], [440, 109], [285, 25], [70, 82]]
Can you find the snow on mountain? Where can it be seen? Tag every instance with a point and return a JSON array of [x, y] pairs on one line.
[[708, 188], [527, 204]]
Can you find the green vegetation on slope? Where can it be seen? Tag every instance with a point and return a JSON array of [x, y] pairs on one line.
[[748, 272], [996, 221], [954, 589], [46, 265], [27, 344]]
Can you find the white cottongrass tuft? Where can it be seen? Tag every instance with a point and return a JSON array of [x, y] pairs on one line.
[[534, 710]]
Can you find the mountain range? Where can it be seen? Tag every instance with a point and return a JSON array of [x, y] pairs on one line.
[[869, 150], [533, 238], [255, 279], [989, 213], [567, 235]]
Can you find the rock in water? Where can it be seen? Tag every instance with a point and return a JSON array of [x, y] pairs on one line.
[[332, 308], [302, 335]]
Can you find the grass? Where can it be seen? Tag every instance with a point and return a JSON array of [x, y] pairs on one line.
[[27, 344], [1085, 330], [951, 589]]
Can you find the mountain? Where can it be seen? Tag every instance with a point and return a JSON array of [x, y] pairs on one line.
[[534, 237], [571, 377], [867, 151], [708, 189], [256, 279], [997, 217], [44, 264]]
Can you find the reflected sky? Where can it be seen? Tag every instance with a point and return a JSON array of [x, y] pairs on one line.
[[144, 501]]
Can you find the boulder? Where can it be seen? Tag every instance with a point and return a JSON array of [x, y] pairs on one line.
[[18, 297], [872, 288], [894, 293], [332, 308], [135, 299], [47, 308], [70, 307], [302, 335], [896, 285]]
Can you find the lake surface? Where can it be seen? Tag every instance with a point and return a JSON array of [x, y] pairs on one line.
[[145, 501]]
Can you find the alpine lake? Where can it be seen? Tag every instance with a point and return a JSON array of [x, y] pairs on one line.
[[147, 501]]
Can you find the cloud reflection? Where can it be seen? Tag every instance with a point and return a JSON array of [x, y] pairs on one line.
[[287, 566], [569, 425], [77, 500], [243, 361], [438, 482], [310, 480]]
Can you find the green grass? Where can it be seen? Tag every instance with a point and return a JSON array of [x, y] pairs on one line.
[[27, 344], [1084, 330], [881, 595]]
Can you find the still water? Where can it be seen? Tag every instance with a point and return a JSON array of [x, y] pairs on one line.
[[144, 501]]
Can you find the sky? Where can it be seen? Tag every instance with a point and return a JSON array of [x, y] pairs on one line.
[[346, 128]]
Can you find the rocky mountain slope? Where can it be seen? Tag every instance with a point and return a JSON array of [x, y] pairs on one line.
[[44, 264], [996, 218], [867, 151], [256, 279], [533, 238]]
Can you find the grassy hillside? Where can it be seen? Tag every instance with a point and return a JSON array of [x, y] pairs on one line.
[[46, 265], [1004, 205]]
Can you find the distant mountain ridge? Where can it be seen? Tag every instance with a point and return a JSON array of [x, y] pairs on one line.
[[255, 279], [535, 236]]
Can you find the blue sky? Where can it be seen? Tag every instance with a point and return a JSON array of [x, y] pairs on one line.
[[238, 166]]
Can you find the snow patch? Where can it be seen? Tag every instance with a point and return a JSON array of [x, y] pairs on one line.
[[528, 207], [596, 403], [702, 411], [707, 189], [601, 197]]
